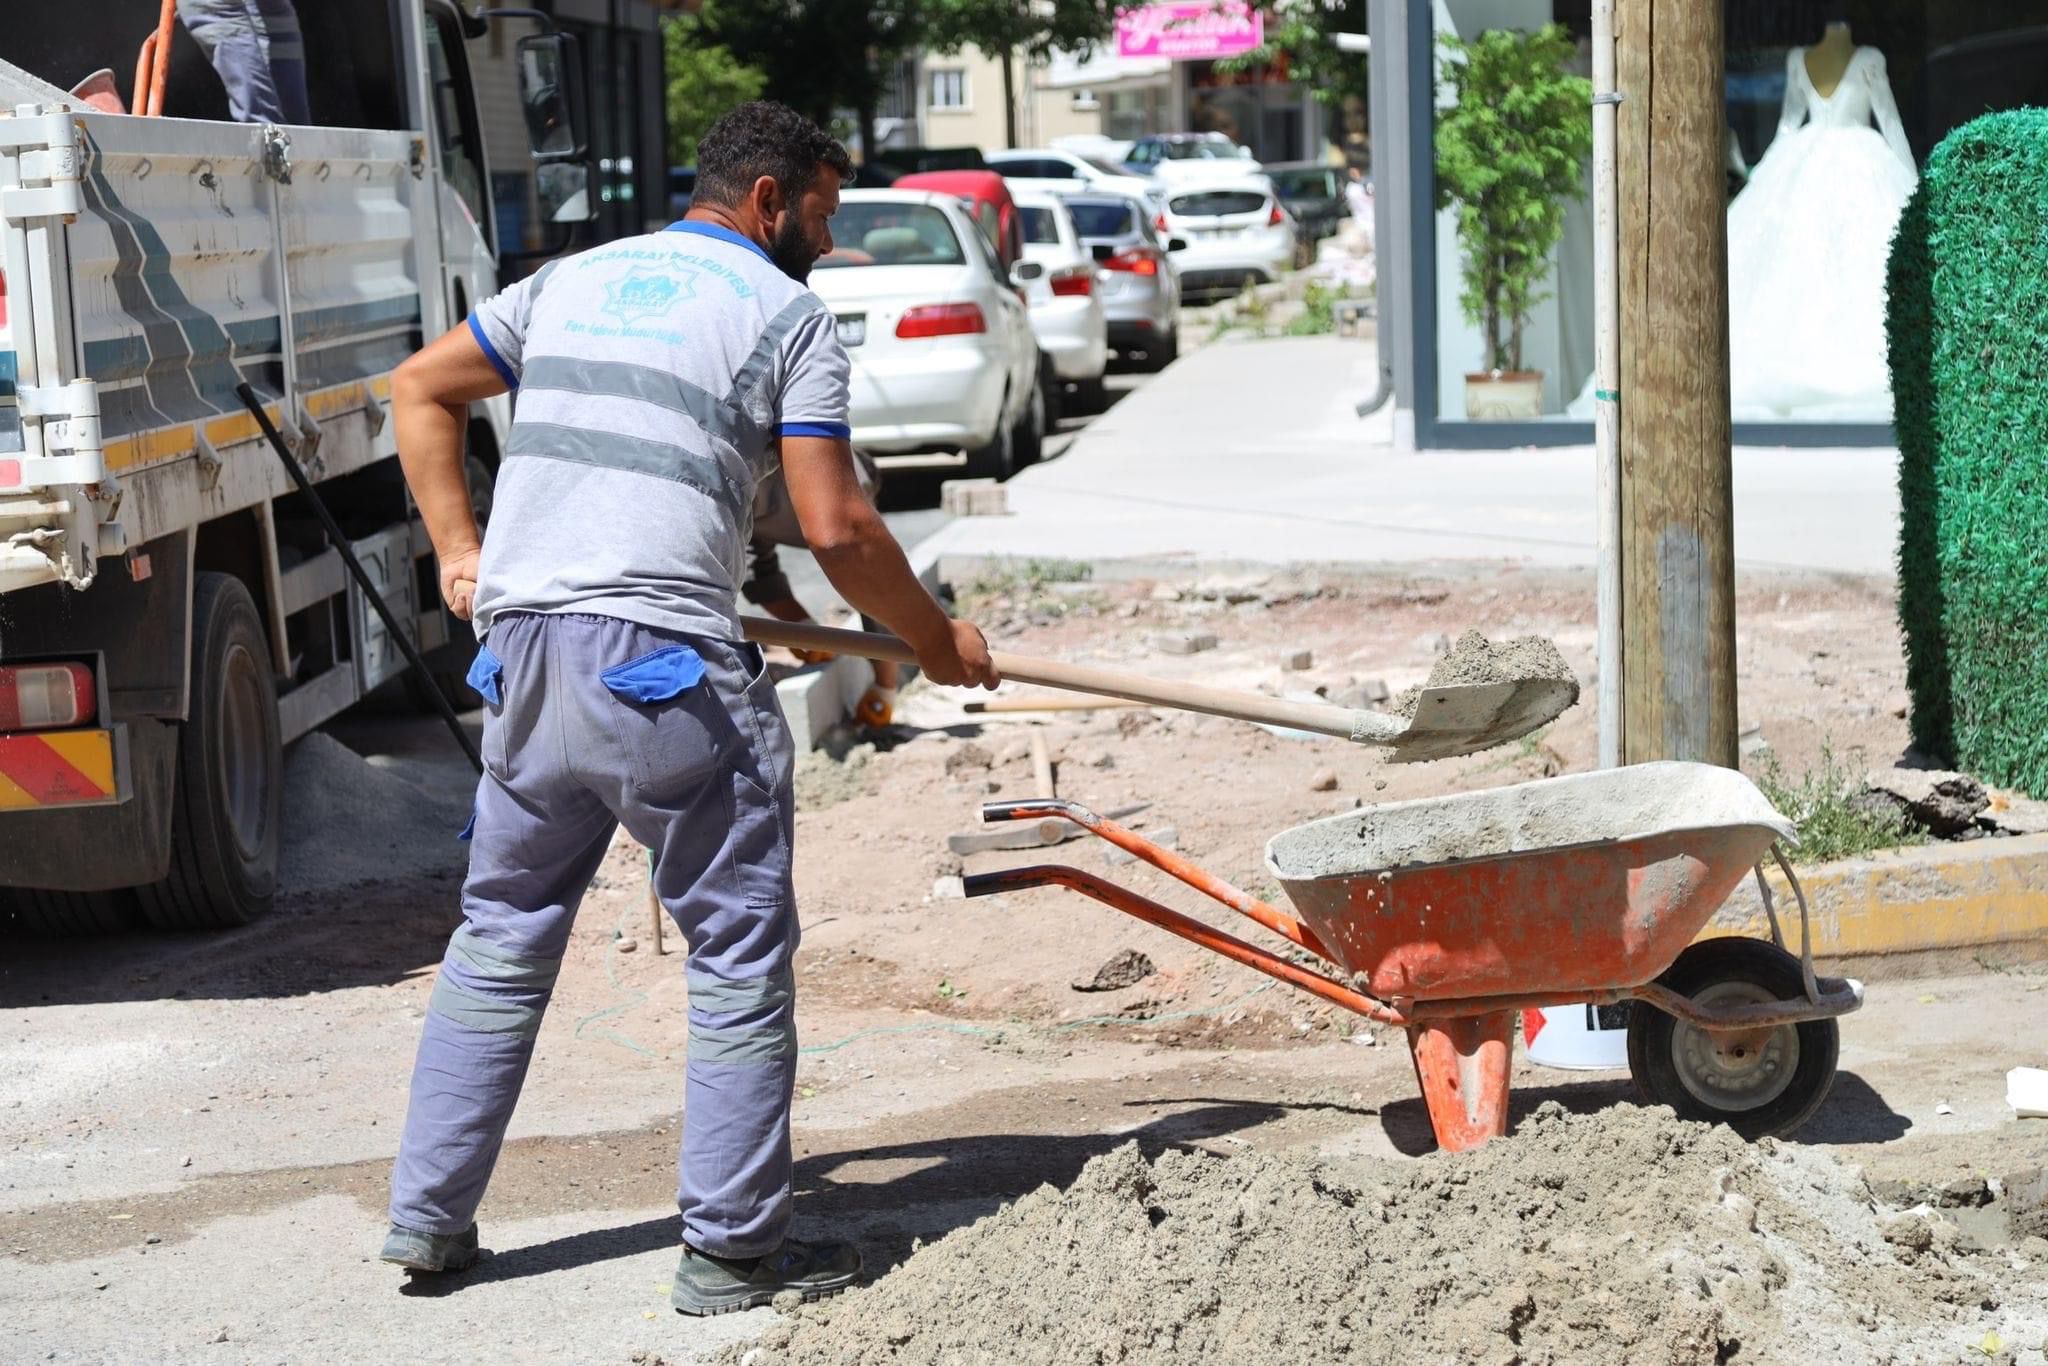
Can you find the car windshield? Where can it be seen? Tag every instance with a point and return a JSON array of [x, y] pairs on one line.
[[1095, 218], [1040, 225], [891, 235], [1206, 149]]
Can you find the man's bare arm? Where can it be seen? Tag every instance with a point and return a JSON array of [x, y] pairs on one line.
[[868, 568], [430, 397]]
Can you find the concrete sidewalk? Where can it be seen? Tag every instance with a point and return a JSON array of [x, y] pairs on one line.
[[1250, 452]]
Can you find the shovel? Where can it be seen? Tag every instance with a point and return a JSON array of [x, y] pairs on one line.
[[1447, 722]]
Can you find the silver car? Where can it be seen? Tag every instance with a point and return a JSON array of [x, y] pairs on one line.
[[1139, 289]]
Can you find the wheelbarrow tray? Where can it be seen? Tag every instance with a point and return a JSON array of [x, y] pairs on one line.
[[1565, 885]]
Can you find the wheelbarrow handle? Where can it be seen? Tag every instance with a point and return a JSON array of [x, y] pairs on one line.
[[1138, 847]]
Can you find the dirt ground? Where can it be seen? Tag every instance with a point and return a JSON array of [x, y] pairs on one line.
[[195, 1134]]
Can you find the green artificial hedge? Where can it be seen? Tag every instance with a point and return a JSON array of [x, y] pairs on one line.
[[1968, 332]]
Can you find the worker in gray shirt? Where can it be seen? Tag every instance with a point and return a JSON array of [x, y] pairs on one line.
[[658, 381]]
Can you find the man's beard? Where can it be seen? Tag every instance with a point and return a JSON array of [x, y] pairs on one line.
[[792, 253]]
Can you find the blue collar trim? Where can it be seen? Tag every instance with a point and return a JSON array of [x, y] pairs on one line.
[[703, 229]]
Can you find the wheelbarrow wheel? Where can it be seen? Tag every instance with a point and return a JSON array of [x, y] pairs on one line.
[[1758, 1083]]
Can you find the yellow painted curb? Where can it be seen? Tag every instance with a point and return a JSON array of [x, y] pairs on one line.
[[1932, 897]]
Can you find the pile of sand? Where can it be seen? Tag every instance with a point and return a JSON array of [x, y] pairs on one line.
[[1623, 1237], [350, 823]]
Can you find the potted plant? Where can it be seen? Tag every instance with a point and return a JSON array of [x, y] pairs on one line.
[[1509, 153]]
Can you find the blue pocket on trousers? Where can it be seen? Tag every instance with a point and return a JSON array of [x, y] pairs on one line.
[[486, 675], [655, 677]]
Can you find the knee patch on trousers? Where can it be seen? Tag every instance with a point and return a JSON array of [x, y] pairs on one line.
[[742, 1020], [492, 990]]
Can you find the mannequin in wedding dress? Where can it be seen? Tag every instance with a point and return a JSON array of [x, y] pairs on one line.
[[1808, 239]]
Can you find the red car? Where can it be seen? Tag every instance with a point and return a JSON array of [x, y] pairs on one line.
[[988, 204]]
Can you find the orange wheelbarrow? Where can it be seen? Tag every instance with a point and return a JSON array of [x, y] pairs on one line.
[[1448, 916]]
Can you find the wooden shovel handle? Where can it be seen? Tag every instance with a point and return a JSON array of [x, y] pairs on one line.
[[1364, 727]]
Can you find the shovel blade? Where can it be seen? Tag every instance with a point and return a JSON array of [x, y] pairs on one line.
[[1475, 716]]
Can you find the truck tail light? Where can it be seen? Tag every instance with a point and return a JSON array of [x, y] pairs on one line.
[[1074, 283], [45, 696], [1134, 261], [940, 320]]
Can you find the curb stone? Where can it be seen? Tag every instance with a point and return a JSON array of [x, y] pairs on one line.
[[1927, 898]]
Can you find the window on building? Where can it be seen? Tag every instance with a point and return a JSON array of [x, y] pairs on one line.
[[949, 89], [1085, 102]]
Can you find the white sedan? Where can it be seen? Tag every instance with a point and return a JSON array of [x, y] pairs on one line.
[[1059, 171], [1237, 233], [1058, 277], [944, 359]]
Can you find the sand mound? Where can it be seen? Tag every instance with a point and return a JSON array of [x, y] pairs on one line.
[[350, 823], [1623, 1237]]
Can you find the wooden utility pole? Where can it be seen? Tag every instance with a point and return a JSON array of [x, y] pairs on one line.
[[1677, 518]]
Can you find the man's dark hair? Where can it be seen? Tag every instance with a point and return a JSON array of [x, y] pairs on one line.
[[761, 138]]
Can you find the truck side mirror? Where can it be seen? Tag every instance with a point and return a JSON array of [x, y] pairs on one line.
[[550, 93]]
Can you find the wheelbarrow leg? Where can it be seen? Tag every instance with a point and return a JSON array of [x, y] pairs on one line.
[[1463, 1067]]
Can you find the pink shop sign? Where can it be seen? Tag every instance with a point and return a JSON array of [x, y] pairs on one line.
[[1190, 31]]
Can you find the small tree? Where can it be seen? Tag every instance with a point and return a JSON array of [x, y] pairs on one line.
[[1509, 153], [704, 80]]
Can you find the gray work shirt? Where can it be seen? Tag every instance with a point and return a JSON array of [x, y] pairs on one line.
[[653, 379]]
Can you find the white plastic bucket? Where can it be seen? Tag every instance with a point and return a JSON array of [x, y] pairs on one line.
[[1580, 1038]]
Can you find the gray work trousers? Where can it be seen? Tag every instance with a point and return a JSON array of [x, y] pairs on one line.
[[595, 722], [258, 53]]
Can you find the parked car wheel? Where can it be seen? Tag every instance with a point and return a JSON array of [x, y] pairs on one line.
[[1029, 442], [1052, 392], [998, 459], [1164, 352]]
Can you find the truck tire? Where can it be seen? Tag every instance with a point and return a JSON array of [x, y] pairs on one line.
[[64, 915], [227, 811]]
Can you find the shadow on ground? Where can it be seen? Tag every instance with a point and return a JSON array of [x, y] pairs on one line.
[[919, 1190]]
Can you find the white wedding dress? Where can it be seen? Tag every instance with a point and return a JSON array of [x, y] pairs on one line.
[[1808, 239]]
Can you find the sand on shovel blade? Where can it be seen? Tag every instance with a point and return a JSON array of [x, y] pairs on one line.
[[1475, 659]]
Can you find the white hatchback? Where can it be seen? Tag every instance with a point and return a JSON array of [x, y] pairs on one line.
[[1059, 281], [1237, 232], [944, 359]]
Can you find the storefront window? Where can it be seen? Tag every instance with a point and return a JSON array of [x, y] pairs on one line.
[[1832, 105]]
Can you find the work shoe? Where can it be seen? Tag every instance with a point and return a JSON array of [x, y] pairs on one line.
[[416, 1251], [723, 1285]]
